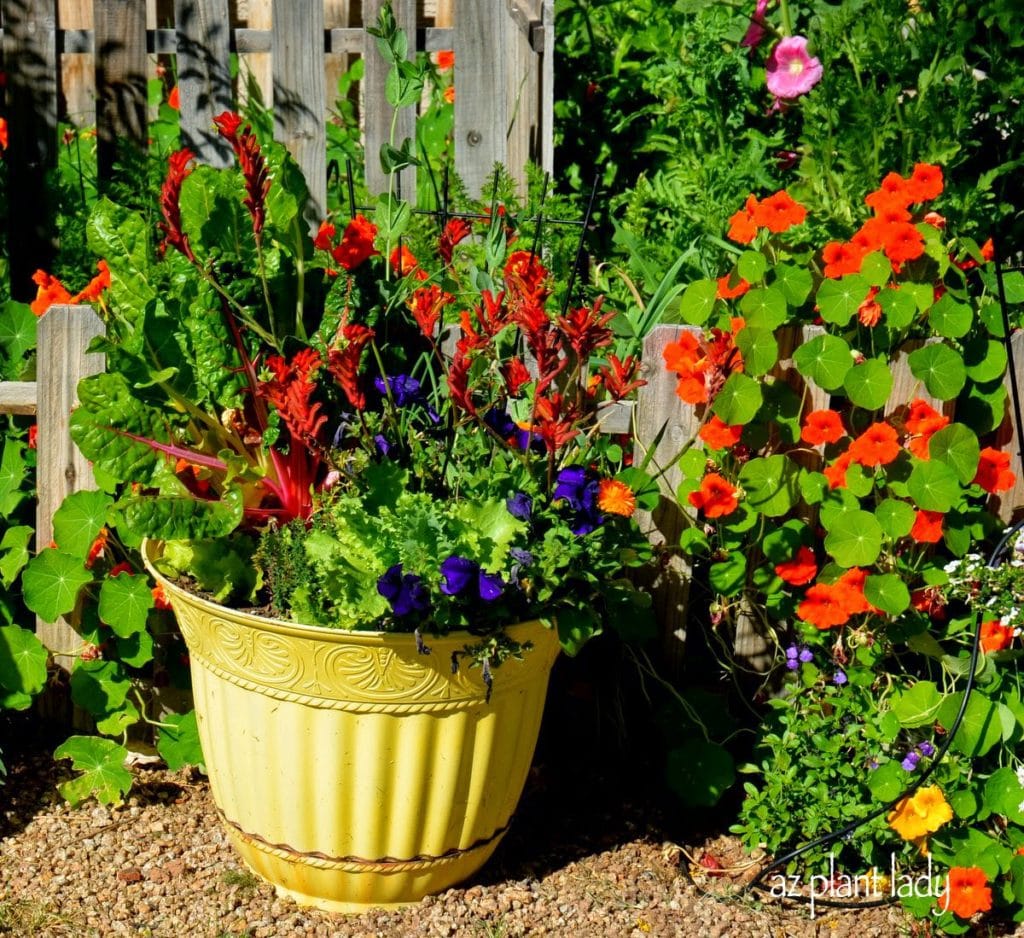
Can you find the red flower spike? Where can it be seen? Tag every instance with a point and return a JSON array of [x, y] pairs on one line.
[[252, 164], [553, 421], [619, 377], [179, 166], [454, 231], [586, 329], [291, 392], [515, 375], [526, 283], [426, 305], [458, 376], [343, 363]]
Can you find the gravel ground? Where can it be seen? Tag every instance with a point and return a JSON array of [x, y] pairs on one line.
[[161, 866]]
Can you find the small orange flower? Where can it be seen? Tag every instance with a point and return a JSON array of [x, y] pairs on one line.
[[719, 435], [925, 182], [923, 419], [994, 473], [851, 585], [726, 292], [836, 473], [822, 426], [445, 59], [449, 94], [877, 446], [778, 212], [741, 225], [715, 497], [97, 548], [92, 290], [3, 134], [616, 498], [903, 242], [935, 220], [995, 636], [967, 892], [869, 312], [927, 527], [33, 436], [160, 600], [825, 606], [174, 99], [842, 257], [801, 569], [50, 292], [894, 190], [324, 236]]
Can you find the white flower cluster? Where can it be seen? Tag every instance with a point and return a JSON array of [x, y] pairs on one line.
[[999, 590]]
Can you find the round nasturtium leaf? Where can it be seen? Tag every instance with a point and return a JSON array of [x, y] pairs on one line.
[[771, 484], [51, 583], [22, 661], [957, 447], [759, 349], [869, 384], [887, 592], [895, 517], [854, 538], [838, 300], [898, 306], [950, 318], [764, 307], [697, 302], [934, 486], [728, 576], [782, 544], [985, 359], [941, 368], [1003, 795], [825, 360], [876, 268], [739, 399], [752, 266], [794, 282]]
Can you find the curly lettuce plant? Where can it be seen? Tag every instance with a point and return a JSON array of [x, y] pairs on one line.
[[831, 504]]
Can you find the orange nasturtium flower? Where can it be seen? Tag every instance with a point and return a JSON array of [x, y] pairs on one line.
[[715, 497], [822, 426], [836, 473], [877, 446], [741, 224], [967, 892], [717, 434], [920, 814], [995, 636], [726, 292], [778, 212], [801, 569], [870, 310], [927, 527], [903, 242], [703, 364], [922, 421], [842, 257], [3, 134], [925, 182], [994, 473], [824, 606], [616, 498]]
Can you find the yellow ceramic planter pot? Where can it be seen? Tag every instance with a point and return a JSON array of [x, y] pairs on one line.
[[350, 770]]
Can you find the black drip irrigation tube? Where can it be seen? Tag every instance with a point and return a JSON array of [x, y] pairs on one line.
[[998, 555]]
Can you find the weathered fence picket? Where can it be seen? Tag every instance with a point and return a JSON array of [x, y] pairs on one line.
[[59, 52]]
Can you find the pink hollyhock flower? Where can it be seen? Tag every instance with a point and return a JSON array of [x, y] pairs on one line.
[[756, 31], [791, 71]]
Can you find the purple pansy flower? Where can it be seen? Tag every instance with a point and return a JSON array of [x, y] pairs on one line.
[[405, 390], [520, 506], [574, 485], [462, 576], [406, 593]]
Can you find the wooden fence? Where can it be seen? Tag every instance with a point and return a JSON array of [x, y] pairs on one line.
[[63, 56], [658, 415]]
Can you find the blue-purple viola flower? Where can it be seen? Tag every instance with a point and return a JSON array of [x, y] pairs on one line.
[[464, 577], [579, 489], [405, 391], [405, 592], [520, 506]]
